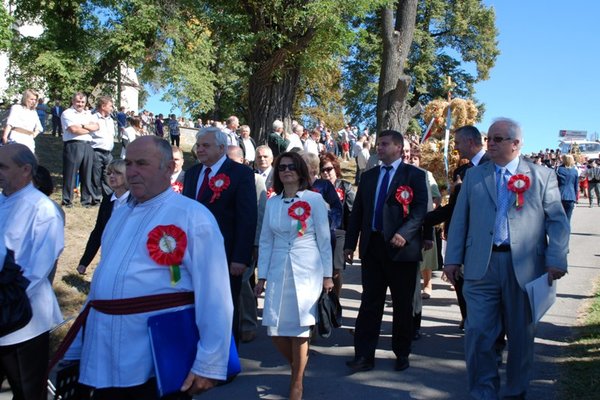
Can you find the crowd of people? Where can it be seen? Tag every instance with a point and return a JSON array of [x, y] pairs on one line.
[[279, 219]]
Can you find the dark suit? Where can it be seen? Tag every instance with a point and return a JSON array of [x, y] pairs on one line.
[[56, 111], [236, 212], [444, 215], [93, 243], [385, 266]]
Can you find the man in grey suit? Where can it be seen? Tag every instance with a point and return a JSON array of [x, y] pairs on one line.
[[503, 246], [390, 230]]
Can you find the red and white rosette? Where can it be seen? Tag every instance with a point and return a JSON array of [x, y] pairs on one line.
[[404, 196], [177, 187], [519, 184], [341, 194], [218, 184], [300, 211], [271, 192], [166, 245]]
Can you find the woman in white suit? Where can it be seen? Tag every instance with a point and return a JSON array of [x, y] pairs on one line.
[[294, 263]]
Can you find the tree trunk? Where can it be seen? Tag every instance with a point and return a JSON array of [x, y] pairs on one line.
[[270, 99], [393, 111]]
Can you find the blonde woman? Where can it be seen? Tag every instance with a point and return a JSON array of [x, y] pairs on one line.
[[23, 123]]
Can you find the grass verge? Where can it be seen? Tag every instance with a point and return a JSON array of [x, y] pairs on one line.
[[581, 377]]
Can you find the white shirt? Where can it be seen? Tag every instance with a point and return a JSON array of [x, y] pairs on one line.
[[71, 117], [310, 146], [116, 348], [32, 226], [249, 150], [231, 137], [23, 117], [477, 157], [119, 202], [104, 138], [294, 142], [362, 158]]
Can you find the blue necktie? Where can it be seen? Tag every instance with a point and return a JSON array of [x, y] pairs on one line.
[[381, 199], [503, 201]]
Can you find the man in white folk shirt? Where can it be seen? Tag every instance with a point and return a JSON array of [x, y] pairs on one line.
[[32, 227], [115, 355], [103, 141], [78, 155]]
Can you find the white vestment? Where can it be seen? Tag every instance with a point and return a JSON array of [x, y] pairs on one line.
[[116, 349]]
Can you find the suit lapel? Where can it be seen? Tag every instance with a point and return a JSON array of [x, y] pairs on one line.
[[399, 176], [490, 180]]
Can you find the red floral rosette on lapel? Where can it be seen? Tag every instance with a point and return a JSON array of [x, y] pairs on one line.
[[166, 245], [340, 194], [218, 184], [519, 184], [271, 193], [177, 187], [404, 196], [300, 211]]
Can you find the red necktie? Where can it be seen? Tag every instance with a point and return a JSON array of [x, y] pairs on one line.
[[204, 185]]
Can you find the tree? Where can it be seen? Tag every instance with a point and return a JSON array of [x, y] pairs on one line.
[[447, 36], [393, 111]]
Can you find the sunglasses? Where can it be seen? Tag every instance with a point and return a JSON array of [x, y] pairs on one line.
[[499, 139], [327, 169], [283, 167]]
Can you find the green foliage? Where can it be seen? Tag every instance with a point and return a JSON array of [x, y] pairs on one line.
[[448, 36], [6, 33]]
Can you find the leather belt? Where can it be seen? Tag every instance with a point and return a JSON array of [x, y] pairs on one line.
[[503, 248]]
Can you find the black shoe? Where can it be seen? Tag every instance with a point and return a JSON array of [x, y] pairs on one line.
[[67, 205], [401, 363], [360, 364]]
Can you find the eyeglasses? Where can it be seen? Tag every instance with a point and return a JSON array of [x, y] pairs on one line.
[[283, 167], [499, 139], [327, 169]]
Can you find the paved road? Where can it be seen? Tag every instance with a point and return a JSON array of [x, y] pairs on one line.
[[437, 368]]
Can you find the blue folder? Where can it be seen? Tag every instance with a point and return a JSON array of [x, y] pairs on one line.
[[174, 339]]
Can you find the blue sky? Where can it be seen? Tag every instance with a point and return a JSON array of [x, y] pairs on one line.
[[547, 76]]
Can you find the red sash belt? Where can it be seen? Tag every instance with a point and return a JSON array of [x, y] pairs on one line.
[[133, 305]]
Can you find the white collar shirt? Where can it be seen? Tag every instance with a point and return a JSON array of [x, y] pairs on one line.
[[104, 138], [213, 171], [70, 117]]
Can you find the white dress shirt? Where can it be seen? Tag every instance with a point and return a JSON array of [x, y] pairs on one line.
[[32, 226], [71, 117], [104, 138]]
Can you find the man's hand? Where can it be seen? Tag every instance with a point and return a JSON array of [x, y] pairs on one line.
[[237, 269], [349, 256], [452, 272], [195, 384], [398, 240], [259, 287], [427, 244], [554, 273], [327, 284]]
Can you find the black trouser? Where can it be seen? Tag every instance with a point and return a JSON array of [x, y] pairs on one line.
[[56, 126], [175, 140], [24, 365], [101, 160], [236, 290], [378, 273], [78, 157], [146, 391]]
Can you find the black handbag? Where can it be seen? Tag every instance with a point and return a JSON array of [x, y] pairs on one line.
[[330, 313], [15, 309]]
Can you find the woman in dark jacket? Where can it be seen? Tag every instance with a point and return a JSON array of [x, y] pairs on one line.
[[118, 183], [330, 170], [568, 183]]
